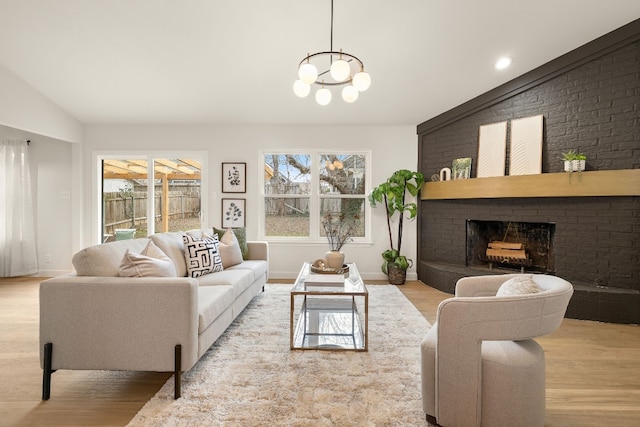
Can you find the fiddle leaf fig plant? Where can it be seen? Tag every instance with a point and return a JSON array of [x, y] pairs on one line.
[[393, 194]]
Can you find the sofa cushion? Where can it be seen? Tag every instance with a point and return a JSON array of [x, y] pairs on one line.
[[239, 280], [212, 302], [151, 262], [104, 260], [258, 267], [172, 245], [241, 235], [230, 249], [519, 285], [201, 255]]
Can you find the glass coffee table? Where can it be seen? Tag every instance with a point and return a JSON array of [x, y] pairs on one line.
[[332, 317]]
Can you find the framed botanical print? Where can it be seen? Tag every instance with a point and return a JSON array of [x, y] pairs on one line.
[[233, 213], [234, 177]]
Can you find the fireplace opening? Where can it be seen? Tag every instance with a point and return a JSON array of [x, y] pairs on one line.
[[523, 246]]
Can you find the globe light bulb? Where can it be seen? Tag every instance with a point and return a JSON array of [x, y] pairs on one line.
[[301, 89], [340, 70], [308, 73], [362, 81], [323, 96], [349, 94]]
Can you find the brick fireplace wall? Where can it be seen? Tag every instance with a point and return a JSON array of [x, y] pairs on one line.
[[590, 100]]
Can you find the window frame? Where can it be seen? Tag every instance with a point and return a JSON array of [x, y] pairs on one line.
[[314, 196], [150, 157]]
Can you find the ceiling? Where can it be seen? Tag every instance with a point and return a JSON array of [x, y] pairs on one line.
[[234, 62]]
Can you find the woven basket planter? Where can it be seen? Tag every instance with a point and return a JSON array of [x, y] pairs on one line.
[[397, 276]]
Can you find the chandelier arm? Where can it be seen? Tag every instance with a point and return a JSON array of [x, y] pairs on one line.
[[321, 82], [353, 57]]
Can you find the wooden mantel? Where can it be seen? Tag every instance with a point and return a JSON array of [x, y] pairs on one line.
[[576, 184]]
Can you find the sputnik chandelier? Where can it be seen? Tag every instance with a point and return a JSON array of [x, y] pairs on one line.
[[340, 69]]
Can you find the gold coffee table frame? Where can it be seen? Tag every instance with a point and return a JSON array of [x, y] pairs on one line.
[[329, 317]]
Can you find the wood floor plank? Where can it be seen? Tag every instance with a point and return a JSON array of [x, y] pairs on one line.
[[593, 371]]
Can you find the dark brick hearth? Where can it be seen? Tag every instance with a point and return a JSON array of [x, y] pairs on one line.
[[593, 241], [590, 100]]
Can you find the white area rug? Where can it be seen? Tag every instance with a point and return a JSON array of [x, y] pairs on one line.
[[249, 377]]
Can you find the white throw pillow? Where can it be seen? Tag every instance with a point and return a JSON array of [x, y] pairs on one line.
[[202, 255], [152, 262], [519, 285], [230, 249]]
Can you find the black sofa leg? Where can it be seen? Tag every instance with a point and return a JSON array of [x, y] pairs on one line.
[[432, 420], [46, 371], [177, 371]]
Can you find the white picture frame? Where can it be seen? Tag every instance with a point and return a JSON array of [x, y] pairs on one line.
[[492, 150], [525, 151], [461, 168]]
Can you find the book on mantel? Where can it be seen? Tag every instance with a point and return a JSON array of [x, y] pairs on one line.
[[324, 280]]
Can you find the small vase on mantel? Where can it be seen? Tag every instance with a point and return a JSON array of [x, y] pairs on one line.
[[335, 259]]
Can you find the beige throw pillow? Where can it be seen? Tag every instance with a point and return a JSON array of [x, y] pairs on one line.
[[241, 235], [230, 249], [152, 262], [520, 285]]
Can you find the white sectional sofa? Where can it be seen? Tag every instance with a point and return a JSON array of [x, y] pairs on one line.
[[93, 319]]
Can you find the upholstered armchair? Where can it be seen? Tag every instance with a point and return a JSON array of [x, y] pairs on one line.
[[480, 365]]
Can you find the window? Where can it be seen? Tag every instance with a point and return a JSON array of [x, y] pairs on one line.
[[300, 189], [132, 205]]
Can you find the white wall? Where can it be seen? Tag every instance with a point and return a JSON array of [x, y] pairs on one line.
[[392, 147], [24, 108], [51, 173], [62, 153]]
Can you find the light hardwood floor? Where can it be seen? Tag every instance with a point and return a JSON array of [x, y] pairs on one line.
[[593, 371]]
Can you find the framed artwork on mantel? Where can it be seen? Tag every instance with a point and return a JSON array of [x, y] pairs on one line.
[[492, 150], [461, 168], [525, 154], [234, 177]]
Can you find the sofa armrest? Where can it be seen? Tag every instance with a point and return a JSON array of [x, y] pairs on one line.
[[258, 250], [119, 323]]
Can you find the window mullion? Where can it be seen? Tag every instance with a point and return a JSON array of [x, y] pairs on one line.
[[151, 196], [314, 202]]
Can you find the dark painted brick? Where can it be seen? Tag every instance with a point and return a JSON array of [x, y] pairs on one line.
[[594, 108]]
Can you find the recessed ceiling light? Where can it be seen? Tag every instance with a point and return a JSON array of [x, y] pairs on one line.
[[502, 63]]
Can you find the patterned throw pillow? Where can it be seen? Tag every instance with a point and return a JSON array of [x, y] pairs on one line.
[[519, 285], [202, 255], [152, 262]]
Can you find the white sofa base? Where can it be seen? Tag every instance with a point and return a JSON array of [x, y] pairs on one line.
[[162, 324]]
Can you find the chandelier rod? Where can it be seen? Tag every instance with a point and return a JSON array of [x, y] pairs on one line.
[[331, 40]]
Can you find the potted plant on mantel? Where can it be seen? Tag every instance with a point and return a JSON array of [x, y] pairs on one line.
[[574, 161], [393, 194]]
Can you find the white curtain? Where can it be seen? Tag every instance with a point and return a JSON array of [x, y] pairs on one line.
[[17, 235]]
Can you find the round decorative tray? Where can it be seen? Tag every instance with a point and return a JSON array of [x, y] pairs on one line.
[[319, 268]]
